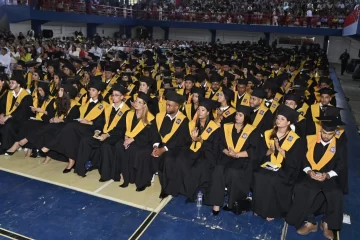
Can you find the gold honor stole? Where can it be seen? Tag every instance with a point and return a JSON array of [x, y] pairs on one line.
[[178, 120], [329, 154], [180, 91], [216, 95], [108, 127], [244, 102], [228, 128], [225, 114], [52, 86], [139, 126], [109, 86], [158, 84], [303, 109], [73, 103], [94, 112], [339, 131], [81, 93], [315, 111], [43, 107], [28, 80], [274, 105], [259, 115], [9, 99], [188, 107], [286, 145], [210, 128], [278, 96]]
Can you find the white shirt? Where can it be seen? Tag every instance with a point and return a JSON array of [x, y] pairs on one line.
[[224, 108], [93, 101], [97, 52], [5, 60], [171, 118], [16, 95], [241, 95], [117, 108], [309, 13]]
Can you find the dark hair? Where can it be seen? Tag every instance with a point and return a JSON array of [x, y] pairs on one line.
[[198, 125], [63, 104], [274, 131]]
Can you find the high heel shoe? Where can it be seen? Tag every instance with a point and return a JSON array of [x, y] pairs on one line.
[[67, 170], [9, 153], [215, 213], [124, 185]]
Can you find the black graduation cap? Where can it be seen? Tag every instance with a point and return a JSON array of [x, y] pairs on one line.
[[167, 81], [207, 103], [44, 85], [199, 91], [229, 76], [98, 85], [22, 63], [179, 75], [145, 97], [330, 123], [146, 80], [242, 82], [179, 64], [120, 88], [30, 64], [328, 91], [70, 89], [246, 110], [271, 85], [228, 93], [251, 78], [325, 80], [292, 97], [108, 68], [215, 77], [290, 114], [258, 92], [331, 111], [76, 59], [2, 69], [175, 97], [18, 76]]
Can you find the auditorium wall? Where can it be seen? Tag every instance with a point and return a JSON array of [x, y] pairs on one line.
[[238, 36], [337, 46], [107, 30], [61, 29], [184, 34], [23, 27]]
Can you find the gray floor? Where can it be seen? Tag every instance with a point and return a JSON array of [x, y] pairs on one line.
[[352, 91]]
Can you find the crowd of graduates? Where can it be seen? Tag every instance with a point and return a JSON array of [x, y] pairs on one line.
[[225, 119]]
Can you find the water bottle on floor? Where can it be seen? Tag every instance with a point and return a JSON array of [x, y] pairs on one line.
[[199, 199]]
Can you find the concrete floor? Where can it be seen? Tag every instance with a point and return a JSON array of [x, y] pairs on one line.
[[351, 90]]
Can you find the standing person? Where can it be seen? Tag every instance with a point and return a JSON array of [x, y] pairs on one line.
[[344, 58]]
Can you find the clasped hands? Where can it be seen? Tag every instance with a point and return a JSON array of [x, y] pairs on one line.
[[318, 177], [157, 152], [3, 119], [127, 142], [195, 135], [277, 147]]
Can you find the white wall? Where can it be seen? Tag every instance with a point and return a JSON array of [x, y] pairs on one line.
[[65, 29], [107, 30], [317, 39], [235, 36], [337, 46], [158, 33], [23, 27], [186, 34]]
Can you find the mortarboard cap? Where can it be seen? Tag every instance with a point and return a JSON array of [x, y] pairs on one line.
[[290, 114]]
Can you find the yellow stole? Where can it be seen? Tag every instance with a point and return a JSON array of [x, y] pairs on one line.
[[216, 95], [108, 127], [228, 128], [326, 158], [158, 84], [178, 120], [286, 145], [259, 115], [210, 128], [28, 80], [9, 99], [94, 112], [278, 96], [81, 93], [274, 105], [139, 126], [109, 86], [225, 114], [244, 102], [73, 103], [43, 107], [180, 91], [188, 108], [303, 109], [339, 131], [315, 111]]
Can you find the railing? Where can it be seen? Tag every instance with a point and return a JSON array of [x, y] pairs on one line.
[[83, 7], [352, 17]]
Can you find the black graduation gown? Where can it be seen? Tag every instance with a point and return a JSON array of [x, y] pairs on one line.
[[343, 153], [89, 149], [31, 126], [67, 141], [312, 197], [10, 130], [136, 161], [273, 190], [169, 175], [197, 167], [266, 122], [310, 125], [300, 128], [233, 173]]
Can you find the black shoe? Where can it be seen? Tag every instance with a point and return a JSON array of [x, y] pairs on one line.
[[124, 185], [102, 180], [163, 195], [34, 154], [226, 208], [141, 189], [9, 153], [215, 213], [67, 170]]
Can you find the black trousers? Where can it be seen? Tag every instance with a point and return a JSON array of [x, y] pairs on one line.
[[343, 68]]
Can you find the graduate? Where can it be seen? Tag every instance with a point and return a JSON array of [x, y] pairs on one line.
[[238, 143], [112, 131], [173, 136], [225, 113], [292, 100], [198, 161], [241, 96], [261, 117], [14, 110], [91, 119], [319, 191], [134, 151], [44, 110], [279, 164], [190, 108], [213, 92]]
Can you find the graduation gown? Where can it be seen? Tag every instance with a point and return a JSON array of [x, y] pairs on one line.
[[273, 190], [103, 157], [300, 127], [19, 109], [174, 135], [312, 124], [233, 173], [312, 197], [262, 119], [198, 161], [228, 115], [343, 153], [136, 161], [189, 111], [67, 141]]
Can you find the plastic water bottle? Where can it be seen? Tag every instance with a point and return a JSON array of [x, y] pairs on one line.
[[199, 199], [88, 165]]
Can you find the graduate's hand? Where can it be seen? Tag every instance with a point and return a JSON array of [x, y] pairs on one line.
[[231, 152], [322, 177], [84, 121], [57, 120], [103, 137], [127, 142], [277, 145], [33, 109], [160, 151], [195, 134], [219, 113], [155, 152], [97, 133], [312, 174]]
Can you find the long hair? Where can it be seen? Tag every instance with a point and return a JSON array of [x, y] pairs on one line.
[[198, 125], [274, 131], [63, 104]]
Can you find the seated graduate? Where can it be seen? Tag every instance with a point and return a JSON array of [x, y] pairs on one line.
[[213, 92], [261, 117], [14, 110], [145, 86], [44, 110], [292, 100], [100, 147], [191, 107], [91, 119], [172, 137], [238, 142], [56, 82], [66, 110], [319, 191], [224, 113], [198, 161], [134, 152], [280, 155], [241, 96]]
